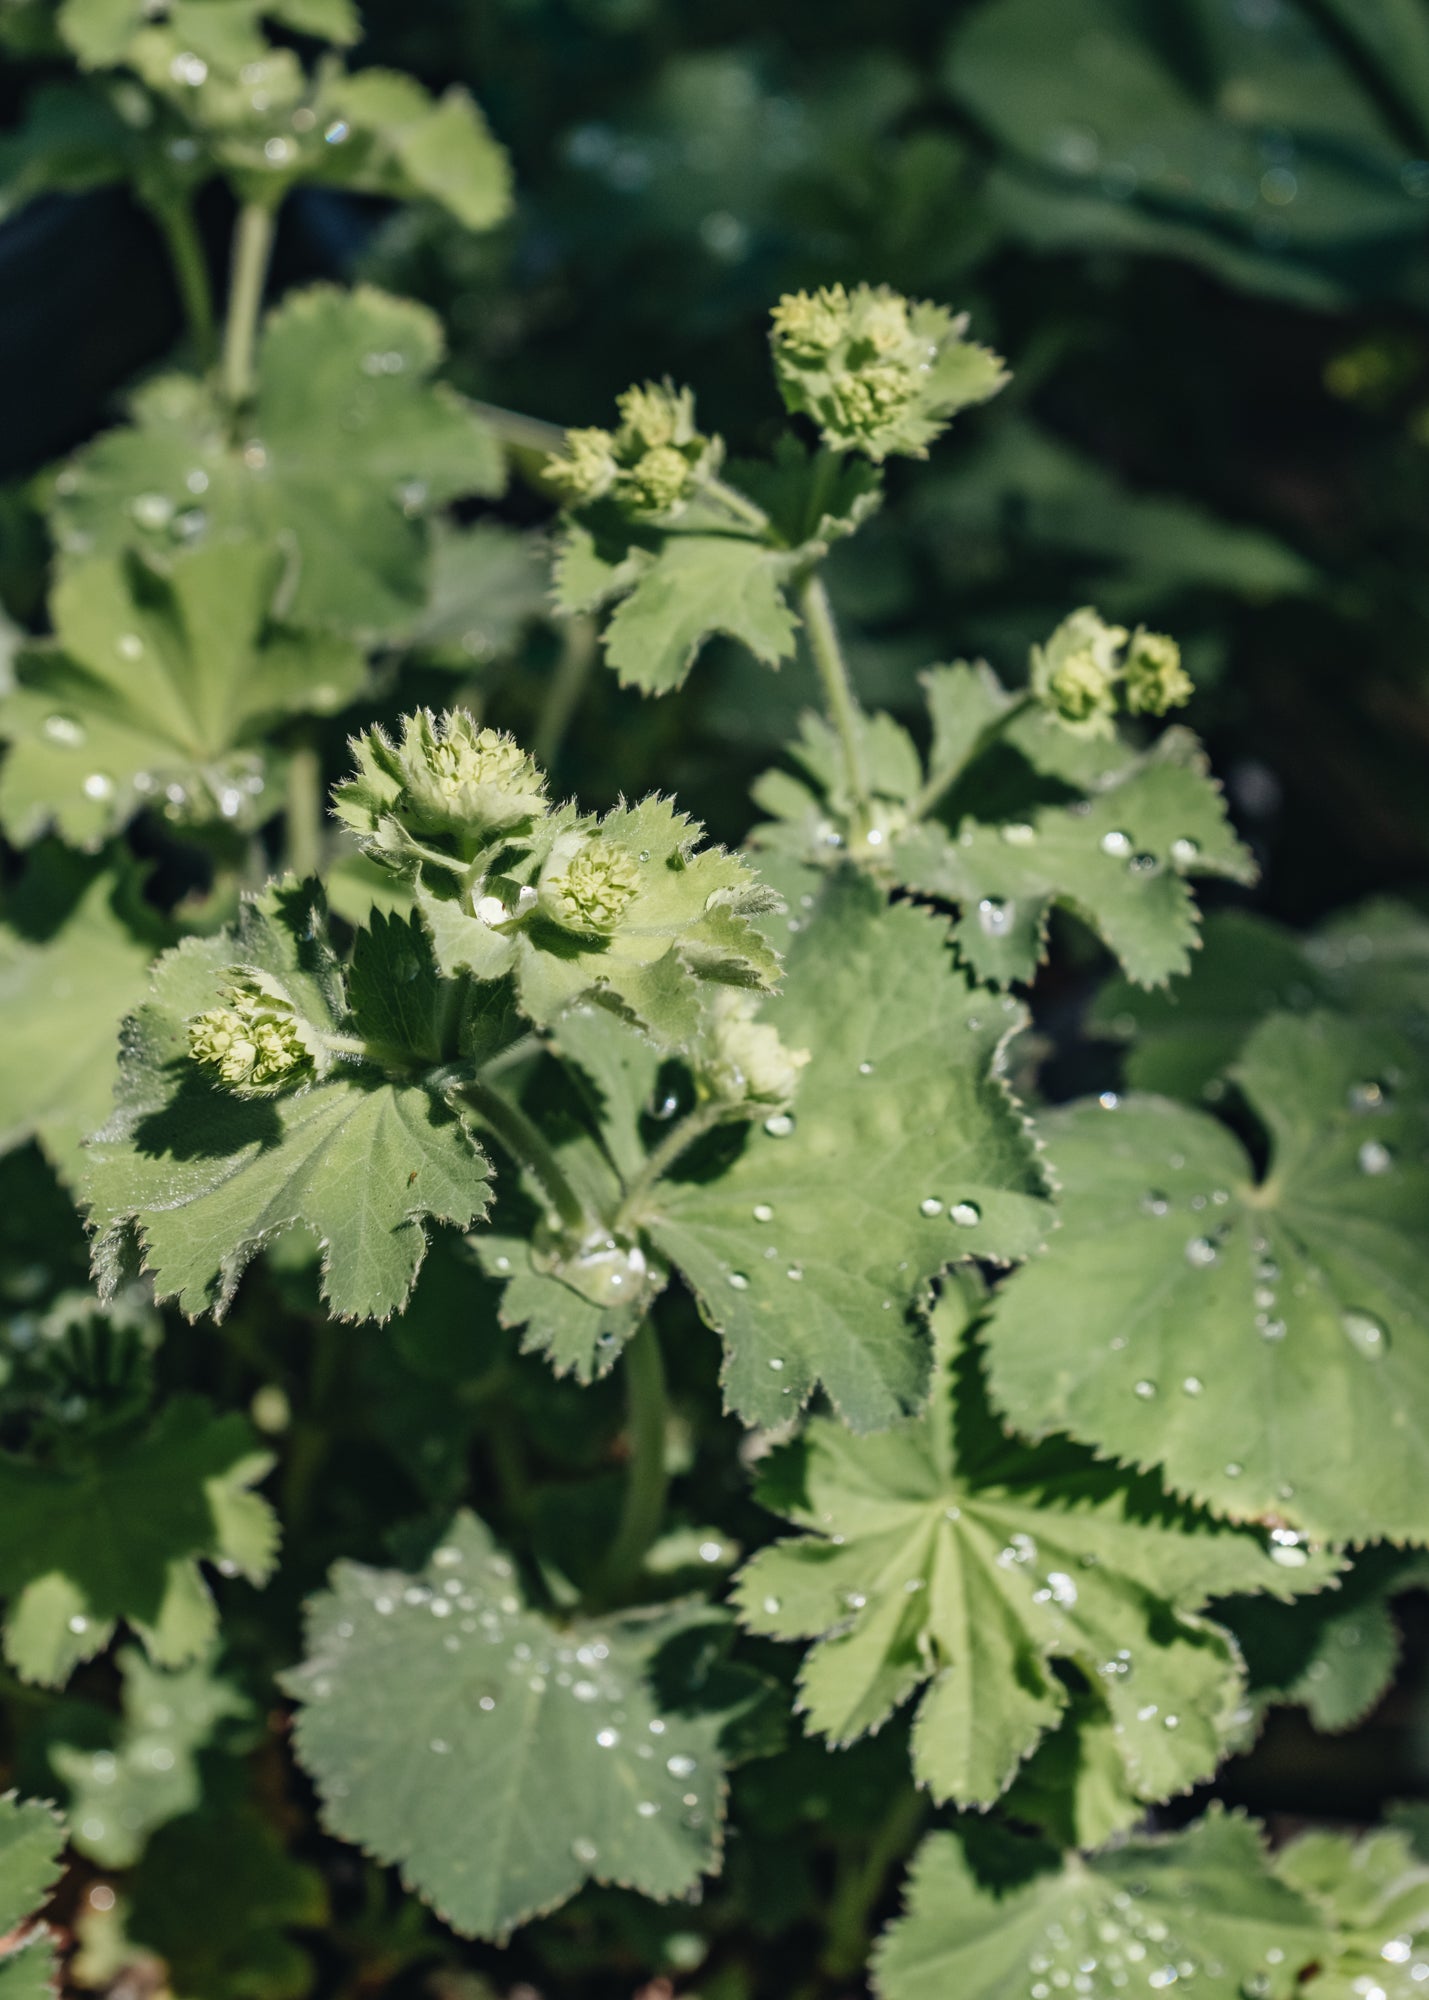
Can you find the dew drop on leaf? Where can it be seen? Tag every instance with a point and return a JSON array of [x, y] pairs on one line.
[[1184, 852], [680, 1766], [930, 1206], [965, 1213], [762, 1212], [585, 1850], [1145, 1390], [1200, 1252], [1366, 1334], [995, 916], [1375, 1158], [1116, 843], [780, 1125], [64, 729]]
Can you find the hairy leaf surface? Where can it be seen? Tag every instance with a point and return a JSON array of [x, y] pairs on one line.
[[1197, 1315], [421, 1694]]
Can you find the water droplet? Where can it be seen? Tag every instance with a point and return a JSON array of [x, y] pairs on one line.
[[930, 1206], [1367, 1096], [1201, 1252], [966, 1214], [1375, 1158], [279, 151], [1116, 842], [1153, 1202], [780, 1125], [1017, 833], [771, 1607], [585, 1690], [98, 785], [680, 1766], [487, 1703], [796, 1272], [1192, 1386], [865, 1069], [1142, 864], [439, 1747], [1273, 1329], [1184, 852], [189, 68], [78, 1624], [64, 729], [336, 133], [646, 1808], [776, 1364], [152, 510], [607, 1738], [1146, 1390], [995, 916], [762, 1212], [1366, 1334], [1234, 1470], [585, 1850]]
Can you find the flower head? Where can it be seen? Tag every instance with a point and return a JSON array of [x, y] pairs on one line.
[[747, 1061], [650, 465], [254, 1044], [457, 778], [1075, 674], [1154, 679], [588, 884], [877, 373]]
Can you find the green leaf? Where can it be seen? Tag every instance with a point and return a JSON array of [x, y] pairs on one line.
[[103, 32], [487, 587], [1336, 1655], [216, 1896], [905, 1152], [1375, 1894], [421, 1693], [944, 1558], [31, 1840], [697, 586], [989, 1917], [364, 1158], [403, 144], [1196, 1315], [161, 687], [120, 1535], [1117, 860], [1371, 962], [74, 958], [119, 1796], [348, 446]]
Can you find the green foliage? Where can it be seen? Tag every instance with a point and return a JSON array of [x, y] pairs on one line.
[[808, 1390], [346, 449]]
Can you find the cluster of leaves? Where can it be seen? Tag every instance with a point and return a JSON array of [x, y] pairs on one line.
[[541, 1097]]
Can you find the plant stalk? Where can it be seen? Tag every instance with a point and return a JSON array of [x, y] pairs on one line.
[[578, 650], [856, 1896], [303, 812], [839, 697], [676, 1141], [647, 1481], [252, 249], [175, 218], [528, 1147]]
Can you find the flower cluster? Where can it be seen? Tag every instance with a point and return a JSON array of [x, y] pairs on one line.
[[587, 884], [877, 373], [254, 1044], [650, 465], [1079, 673], [746, 1062], [444, 778]]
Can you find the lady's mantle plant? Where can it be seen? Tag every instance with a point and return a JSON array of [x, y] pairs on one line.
[[1011, 1462]]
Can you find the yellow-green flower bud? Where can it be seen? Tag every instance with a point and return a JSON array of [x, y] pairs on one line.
[[867, 402], [1076, 672], [586, 470], [747, 1061], [1154, 678], [458, 778], [811, 323], [588, 884], [658, 480], [655, 414], [254, 1044]]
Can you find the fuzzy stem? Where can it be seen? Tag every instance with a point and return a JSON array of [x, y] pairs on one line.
[[578, 650], [175, 217], [303, 813], [838, 689], [676, 1141], [527, 1147], [647, 1480], [252, 248]]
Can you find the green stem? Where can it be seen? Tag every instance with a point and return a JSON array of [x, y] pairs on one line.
[[676, 1141], [578, 650], [839, 696], [936, 787], [857, 1896], [527, 1147], [252, 248], [647, 1481], [738, 504], [303, 813], [175, 217]]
